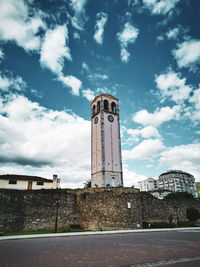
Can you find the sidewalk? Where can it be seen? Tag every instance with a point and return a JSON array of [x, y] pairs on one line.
[[14, 237]]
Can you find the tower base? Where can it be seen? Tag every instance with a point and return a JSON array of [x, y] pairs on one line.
[[106, 179]]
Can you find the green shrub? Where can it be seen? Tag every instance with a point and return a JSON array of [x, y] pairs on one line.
[[75, 226], [161, 224], [192, 214], [187, 224]]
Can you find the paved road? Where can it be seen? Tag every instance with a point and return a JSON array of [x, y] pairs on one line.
[[133, 249]]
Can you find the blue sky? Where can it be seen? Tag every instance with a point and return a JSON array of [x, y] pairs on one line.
[[55, 56]]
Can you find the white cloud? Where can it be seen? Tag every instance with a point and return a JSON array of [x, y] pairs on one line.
[[97, 76], [78, 5], [172, 86], [17, 24], [196, 99], [160, 38], [76, 35], [184, 157], [172, 34], [99, 27], [150, 131], [72, 82], [53, 53], [1, 55], [34, 136], [187, 54], [130, 177], [54, 49], [127, 36], [158, 7], [104, 90], [124, 54], [158, 117], [147, 149], [146, 132], [11, 82], [194, 113], [79, 17], [85, 67], [89, 94]]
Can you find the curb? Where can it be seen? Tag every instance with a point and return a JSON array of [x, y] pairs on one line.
[[15, 237]]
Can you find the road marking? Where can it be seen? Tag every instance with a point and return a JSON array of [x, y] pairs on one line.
[[162, 263]]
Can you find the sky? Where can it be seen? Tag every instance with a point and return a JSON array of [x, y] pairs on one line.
[[56, 56]]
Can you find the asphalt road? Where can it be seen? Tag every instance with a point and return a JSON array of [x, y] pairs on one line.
[[132, 249]]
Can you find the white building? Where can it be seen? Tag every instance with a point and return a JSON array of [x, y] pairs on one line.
[[148, 184], [178, 181], [170, 181], [106, 160], [26, 182], [160, 193]]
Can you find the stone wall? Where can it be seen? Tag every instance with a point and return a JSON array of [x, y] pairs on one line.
[[155, 210], [93, 208], [34, 210], [107, 208]]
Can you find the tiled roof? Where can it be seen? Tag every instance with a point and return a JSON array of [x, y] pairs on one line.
[[109, 96], [24, 178]]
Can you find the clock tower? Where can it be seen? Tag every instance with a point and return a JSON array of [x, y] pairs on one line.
[[106, 161]]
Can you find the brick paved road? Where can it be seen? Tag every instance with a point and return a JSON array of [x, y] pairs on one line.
[[134, 249]]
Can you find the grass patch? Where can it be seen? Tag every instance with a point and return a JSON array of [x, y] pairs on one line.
[[26, 233], [69, 230]]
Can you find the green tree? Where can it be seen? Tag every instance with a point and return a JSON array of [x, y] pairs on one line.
[[175, 199], [87, 184], [179, 196], [192, 214], [198, 188]]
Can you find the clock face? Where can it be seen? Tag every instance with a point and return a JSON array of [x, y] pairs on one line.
[[96, 120], [110, 118]]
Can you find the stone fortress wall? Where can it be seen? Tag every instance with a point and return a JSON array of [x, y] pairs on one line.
[[93, 208]]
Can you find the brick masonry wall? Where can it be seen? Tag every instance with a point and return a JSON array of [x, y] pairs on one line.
[[93, 208]]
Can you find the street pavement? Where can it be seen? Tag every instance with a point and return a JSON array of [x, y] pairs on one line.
[[139, 249]]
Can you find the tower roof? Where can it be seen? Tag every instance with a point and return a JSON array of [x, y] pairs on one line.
[[109, 96]]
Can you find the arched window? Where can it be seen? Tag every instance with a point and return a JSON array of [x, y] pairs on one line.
[[106, 105], [94, 110], [113, 107], [98, 106]]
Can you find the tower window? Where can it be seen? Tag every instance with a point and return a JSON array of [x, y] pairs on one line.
[[94, 110], [98, 106], [113, 107], [106, 105]]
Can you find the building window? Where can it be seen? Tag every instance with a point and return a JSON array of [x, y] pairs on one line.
[[94, 110], [40, 183], [113, 107], [12, 181], [98, 106], [106, 105]]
